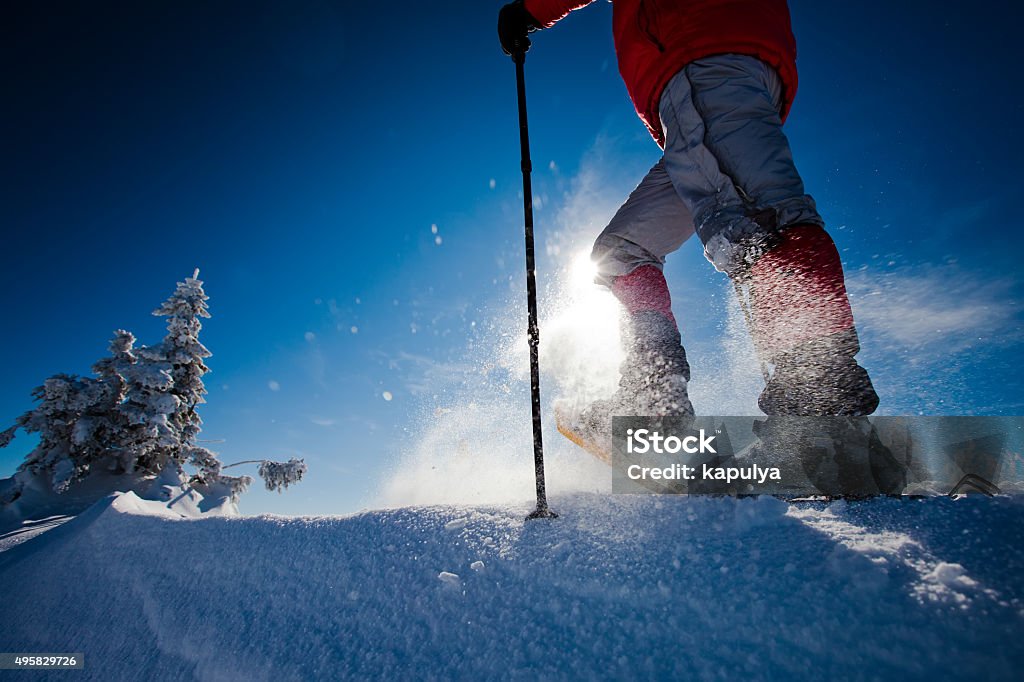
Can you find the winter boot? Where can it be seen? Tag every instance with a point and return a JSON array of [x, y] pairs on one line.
[[803, 325], [655, 373], [833, 456]]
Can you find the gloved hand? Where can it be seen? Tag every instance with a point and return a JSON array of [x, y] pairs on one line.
[[514, 22]]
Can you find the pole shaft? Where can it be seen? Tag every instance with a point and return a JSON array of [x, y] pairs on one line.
[[533, 332]]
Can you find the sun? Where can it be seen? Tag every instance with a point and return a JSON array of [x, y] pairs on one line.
[[582, 272]]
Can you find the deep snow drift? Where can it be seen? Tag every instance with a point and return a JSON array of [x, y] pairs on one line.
[[39, 507], [622, 586]]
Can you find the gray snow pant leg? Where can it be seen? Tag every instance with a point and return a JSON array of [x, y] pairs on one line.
[[652, 223], [729, 163]]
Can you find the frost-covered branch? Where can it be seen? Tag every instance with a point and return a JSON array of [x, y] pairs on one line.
[[279, 475], [276, 475]]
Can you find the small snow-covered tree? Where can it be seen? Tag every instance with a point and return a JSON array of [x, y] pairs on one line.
[[182, 350], [139, 414], [53, 419], [66, 421], [165, 386], [78, 419], [103, 427], [148, 440]]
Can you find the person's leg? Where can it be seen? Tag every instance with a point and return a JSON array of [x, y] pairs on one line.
[[730, 162], [652, 223], [629, 255]]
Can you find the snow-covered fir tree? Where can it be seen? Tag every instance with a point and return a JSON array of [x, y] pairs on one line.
[[182, 356], [139, 415], [148, 441], [78, 419], [185, 355], [61, 454], [165, 385], [106, 427]]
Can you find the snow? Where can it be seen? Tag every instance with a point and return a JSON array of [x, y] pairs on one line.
[[40, 507], [450, 579], [27, 530], [617, 586]]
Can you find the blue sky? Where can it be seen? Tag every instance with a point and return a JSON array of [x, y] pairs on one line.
[[300, 153]]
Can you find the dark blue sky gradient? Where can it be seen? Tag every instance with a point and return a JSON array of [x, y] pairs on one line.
[[298, 153]]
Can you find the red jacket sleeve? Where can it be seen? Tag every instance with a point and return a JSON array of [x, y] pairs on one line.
[[547, 12]]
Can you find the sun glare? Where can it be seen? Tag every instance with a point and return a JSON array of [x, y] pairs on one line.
[[582, 272]]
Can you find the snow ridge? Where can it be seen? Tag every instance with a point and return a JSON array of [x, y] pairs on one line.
[[618, 586]]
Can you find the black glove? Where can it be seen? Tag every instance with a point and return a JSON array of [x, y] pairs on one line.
[[514, 22]]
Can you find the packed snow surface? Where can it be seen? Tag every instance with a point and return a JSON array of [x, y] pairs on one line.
[[617, 586]]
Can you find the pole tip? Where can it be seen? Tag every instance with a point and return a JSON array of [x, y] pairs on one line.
[[541, 513]]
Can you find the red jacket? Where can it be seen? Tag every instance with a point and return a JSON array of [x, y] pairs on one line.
[[654, 39]]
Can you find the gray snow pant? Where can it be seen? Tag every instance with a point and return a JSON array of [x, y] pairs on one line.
[[727, 172]]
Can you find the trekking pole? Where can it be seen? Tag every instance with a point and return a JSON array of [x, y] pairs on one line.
[[533, 332]]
